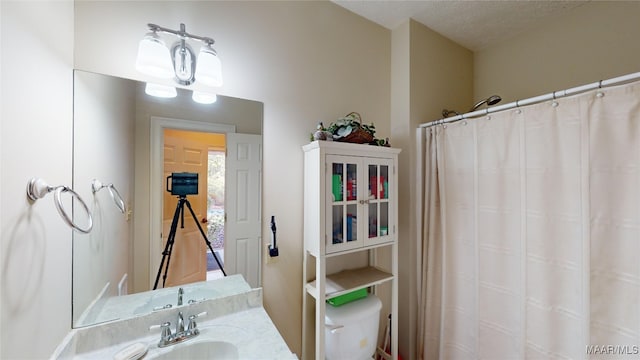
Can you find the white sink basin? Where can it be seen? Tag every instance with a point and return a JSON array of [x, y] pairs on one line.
[[200, 350]]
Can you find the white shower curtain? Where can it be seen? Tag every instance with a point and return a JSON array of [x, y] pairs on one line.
[[530, 243]]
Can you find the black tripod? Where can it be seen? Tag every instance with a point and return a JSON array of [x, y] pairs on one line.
[[182, 199]]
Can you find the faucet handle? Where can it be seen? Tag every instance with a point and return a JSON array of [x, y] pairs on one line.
[[193, 326], [166, 330], [180, 294], [168, 306]]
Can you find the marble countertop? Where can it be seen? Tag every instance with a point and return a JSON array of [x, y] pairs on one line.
[[238, 319], [122, 307], [251, 331]]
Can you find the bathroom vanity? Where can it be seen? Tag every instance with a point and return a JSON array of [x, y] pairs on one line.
[[232, 324]]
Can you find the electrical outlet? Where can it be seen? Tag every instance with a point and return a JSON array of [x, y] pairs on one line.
[[128, 212], [269, 259]]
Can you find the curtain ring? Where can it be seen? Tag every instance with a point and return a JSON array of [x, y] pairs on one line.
[[599, 93], [554, 103], [518, 111]]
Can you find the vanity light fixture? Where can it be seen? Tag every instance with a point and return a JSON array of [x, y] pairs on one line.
[[179, 62]]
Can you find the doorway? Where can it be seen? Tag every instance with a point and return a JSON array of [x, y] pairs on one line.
[[200, 153], [243, 164]]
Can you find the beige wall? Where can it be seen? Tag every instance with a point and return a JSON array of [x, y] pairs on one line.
[[598, 40], [307, 61], [36, 122], [441, 74], [103, 129], [429, 72], [400, 129]]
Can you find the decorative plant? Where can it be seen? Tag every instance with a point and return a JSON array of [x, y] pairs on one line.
[[348, 124], [349, 128]]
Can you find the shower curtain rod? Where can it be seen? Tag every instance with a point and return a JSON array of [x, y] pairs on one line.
[[537, 99]]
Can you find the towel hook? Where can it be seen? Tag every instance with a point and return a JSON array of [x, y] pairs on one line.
[[96, 186], [38, 188]]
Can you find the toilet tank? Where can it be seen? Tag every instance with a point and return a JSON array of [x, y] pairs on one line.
[[351, 330]]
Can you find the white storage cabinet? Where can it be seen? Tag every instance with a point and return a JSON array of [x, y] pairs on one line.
[[350, 204]]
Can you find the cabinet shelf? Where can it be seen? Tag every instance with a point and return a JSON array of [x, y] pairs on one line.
[[390, 242], [350, 280]]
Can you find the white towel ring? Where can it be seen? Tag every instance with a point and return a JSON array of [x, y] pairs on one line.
[[38, 188], [97, 185]]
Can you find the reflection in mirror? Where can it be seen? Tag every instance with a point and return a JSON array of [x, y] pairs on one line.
[[129, 141]]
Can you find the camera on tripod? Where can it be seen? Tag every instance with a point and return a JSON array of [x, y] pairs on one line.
[[183, 184]]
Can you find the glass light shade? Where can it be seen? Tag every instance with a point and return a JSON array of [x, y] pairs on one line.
[[204, 98], [153, 57], [162, 91], [208, 67]]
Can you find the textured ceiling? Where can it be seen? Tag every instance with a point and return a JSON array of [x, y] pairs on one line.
[[472, 24]]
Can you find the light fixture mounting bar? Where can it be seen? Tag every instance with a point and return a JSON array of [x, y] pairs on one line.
[[182, 33]]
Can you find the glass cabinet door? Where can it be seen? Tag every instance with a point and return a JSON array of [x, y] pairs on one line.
[[378, 211], [358, 210], [343, 214]]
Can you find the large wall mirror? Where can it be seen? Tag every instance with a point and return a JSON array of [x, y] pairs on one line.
[[129, 152]]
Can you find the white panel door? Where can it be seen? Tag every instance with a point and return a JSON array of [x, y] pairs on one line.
[[242, 249]]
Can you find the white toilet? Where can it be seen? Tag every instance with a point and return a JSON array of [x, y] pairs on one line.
[[351, 330]]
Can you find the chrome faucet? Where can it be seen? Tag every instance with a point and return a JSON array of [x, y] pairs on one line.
[[167, 338], [180, 293]]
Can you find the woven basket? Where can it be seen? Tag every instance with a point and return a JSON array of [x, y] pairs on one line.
[[358, 135]]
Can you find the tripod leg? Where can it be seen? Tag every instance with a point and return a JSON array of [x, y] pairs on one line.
[[168, 248], [204, 236], [166, 267], [172, 234]]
